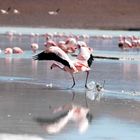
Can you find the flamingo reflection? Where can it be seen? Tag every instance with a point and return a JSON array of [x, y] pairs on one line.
[[80, 115]]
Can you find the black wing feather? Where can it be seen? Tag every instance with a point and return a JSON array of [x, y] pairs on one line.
[[51, 56]]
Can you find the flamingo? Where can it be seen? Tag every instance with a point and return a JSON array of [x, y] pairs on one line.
[[81, 63], [8, 51], [84, 59], [15, 11], [53, 52], [54, 12], [3, 11], [70, 45], [34, 47], [17, 50], [78, 114], [49, 43], [124, 43], [62, 45]]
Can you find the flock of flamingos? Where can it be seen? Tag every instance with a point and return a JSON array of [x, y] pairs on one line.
[[124, 43], [61, 52]]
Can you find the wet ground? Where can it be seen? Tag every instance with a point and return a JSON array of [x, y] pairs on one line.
[[30, 89]]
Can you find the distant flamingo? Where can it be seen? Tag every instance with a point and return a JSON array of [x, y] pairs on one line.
[[82, 62], [70, 44], [49, 43], [17, 50], [4, 11], [124, 43], [15, 11], [54, 12], [8, 51], [135, 42], [62, 45], [34, 47]]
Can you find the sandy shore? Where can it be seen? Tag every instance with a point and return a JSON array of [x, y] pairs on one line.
[[108, 14]]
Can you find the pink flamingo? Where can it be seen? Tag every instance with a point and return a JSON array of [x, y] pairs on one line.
[[82, 62], [124, 44], [49, 43], [8, 51], [62, 45], [70, 45], [17, 50], [55, 53], [34, 47], [135, 42]]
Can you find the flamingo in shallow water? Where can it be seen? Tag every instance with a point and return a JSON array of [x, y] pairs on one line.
[[8, 51], [34, 47], [17, 50], [81, 63], [124, 43]]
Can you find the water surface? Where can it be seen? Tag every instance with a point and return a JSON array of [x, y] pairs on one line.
[[116, 114]]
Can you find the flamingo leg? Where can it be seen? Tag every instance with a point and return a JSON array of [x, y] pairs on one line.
[[63, 68], [73, 81], [86, 79]]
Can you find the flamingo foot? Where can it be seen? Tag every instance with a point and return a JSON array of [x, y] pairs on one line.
[[86, 86]]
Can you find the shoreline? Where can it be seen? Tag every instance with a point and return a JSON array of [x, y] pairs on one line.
[[68, 31], [71, 28]]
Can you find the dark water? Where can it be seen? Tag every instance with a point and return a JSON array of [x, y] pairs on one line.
[[122, 81]]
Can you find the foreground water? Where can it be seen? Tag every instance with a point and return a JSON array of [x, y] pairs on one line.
[[116, 114]]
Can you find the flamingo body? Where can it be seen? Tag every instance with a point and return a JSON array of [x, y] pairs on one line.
[[17, 50], [8, 51]]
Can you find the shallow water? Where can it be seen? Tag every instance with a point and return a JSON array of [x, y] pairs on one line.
[[122, 80]]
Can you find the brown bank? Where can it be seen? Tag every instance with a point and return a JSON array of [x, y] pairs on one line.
[[102, 14]]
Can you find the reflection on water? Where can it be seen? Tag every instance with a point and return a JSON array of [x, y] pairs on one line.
[[79, 115]]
